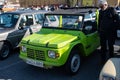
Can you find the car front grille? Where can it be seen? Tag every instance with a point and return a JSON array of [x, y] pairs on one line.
[[35, 54]]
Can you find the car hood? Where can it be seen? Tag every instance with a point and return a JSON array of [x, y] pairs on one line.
[[49, 40]]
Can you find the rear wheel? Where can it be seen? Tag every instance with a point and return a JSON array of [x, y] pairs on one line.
[[73, 64], [5, 50]]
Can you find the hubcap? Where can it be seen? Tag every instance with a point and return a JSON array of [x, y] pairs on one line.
[[75, 63]]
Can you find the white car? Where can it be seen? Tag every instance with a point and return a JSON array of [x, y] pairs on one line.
[[111, 70], [16, 25]]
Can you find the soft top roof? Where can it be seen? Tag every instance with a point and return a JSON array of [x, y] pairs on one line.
[[27, 11], [74, 10]]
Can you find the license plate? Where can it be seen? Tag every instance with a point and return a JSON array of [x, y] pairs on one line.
[[35, 63]]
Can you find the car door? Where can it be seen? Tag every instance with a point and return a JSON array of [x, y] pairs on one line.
[[31, 25], [92, 38], [25, 27]]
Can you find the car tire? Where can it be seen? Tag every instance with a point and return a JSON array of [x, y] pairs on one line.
[[5, 50], [73, 63]]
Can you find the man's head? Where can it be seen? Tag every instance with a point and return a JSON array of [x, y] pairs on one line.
[[103, 4]]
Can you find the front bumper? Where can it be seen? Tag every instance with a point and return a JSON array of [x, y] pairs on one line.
[[38, 55]]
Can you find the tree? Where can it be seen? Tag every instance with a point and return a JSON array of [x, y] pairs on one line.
[[72, 3]]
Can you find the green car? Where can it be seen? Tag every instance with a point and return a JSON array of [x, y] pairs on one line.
[[63, 44]]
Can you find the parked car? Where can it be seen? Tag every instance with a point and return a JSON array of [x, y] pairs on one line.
[[16, 25], [63, 44], [111, 70]]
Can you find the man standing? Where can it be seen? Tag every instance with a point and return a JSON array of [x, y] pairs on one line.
[[107, 28]]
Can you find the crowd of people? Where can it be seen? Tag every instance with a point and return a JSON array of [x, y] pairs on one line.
[[53, 7], [49, 7]]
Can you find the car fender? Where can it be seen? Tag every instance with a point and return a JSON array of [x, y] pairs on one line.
[[75, 46]]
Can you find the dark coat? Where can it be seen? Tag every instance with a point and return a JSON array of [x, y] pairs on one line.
[[107, 22]]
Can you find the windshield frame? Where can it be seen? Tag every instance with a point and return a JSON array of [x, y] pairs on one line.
[[51, 27]]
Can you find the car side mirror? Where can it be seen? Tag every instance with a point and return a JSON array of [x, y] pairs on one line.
[[21, 26]]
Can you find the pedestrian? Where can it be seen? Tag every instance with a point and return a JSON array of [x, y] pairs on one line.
[[107, 29]]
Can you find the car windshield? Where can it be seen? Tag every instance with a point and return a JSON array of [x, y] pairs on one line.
[[8, 20], [88, 16], [63, 21]]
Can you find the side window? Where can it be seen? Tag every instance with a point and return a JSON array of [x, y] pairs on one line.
[[23, 21], [51, 21], [46, 23], [39, 18], [52, 18], [26, 20], [89, 27], [29, 20]]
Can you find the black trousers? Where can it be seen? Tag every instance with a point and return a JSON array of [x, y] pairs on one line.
[[107, 41]]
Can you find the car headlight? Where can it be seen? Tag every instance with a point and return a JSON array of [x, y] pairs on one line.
[[107, 78], [24, 49], [52, 54]]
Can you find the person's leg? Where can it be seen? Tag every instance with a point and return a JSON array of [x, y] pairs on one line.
[[111, 42], [103, 43]]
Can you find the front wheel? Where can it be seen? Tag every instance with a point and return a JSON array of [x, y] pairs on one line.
[[4, 51], [73, 63]]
